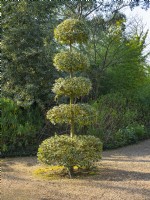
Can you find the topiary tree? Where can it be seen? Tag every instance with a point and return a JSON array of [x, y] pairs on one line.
[[69, 32]]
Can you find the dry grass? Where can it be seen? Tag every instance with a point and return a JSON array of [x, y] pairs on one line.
[[123, 174]]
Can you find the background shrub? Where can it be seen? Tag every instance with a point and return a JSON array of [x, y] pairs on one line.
[[118, 121], [129, 135], [19, 127]]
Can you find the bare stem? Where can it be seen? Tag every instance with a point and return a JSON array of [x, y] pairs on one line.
[[71, 106]]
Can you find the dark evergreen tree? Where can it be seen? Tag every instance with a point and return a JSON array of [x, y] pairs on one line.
[[27, 51]]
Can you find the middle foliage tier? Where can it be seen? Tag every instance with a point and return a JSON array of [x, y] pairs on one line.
[[83, 114], [71, 61], [72, 87]]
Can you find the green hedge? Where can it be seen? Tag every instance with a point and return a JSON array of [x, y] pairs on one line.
[[20, 128], [120, 121]]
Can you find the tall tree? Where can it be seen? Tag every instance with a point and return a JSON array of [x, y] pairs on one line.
[[27, 50], [117, 59], [84, 8]]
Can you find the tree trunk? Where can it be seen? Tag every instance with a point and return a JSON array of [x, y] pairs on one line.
[[72, 118], [70, 171]]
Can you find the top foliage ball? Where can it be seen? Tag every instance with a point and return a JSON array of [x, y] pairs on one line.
[[71, 31]]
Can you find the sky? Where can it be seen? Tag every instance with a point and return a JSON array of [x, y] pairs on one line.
[[144, 15], [140, 13]]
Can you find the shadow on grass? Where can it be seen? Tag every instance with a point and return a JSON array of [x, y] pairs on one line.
[[141, 149], [126, 160], [5, 167], [132, 189], [13, 177], [109, 174]]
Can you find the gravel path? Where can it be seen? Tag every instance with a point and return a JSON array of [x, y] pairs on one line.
[[124, 175]]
